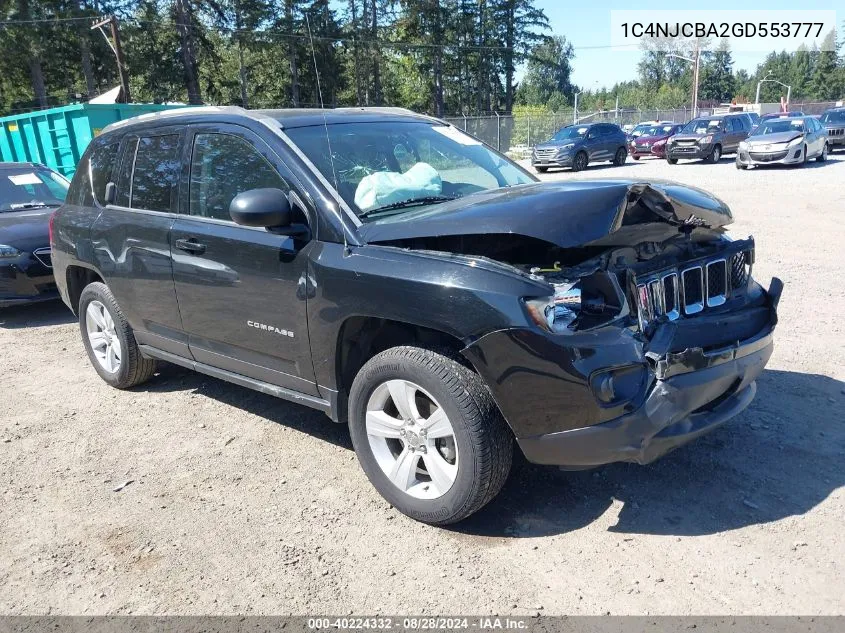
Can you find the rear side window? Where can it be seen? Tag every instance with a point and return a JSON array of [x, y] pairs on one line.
[[156, 173], [92, 174], [222, 166]]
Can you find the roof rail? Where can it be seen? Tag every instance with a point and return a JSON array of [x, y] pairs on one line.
[[180, 111]]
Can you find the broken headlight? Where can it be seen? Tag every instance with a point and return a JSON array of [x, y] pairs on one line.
[[558, 312]]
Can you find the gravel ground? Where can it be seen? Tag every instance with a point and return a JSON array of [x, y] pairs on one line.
[[193, 496]]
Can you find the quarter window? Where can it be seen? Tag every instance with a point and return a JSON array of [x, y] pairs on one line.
[[92, 174], [222, 166], [156, 173]]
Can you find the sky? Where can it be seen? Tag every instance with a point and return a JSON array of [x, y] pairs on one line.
[[588, 25]]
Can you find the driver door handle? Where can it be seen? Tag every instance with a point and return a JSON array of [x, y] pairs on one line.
[[190, 245]]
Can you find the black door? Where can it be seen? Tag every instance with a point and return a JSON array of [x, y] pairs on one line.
[[239, 287], [131, 238]]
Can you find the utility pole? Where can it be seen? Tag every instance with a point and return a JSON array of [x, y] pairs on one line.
[[117, 49]]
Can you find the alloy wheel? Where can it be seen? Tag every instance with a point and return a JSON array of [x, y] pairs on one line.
[[102, 336], [412, 439]]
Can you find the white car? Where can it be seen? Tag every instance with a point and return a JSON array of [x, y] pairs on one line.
[[784, 141]]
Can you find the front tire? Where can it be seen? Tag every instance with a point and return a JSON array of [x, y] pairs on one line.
[[579, 163], [541, 170], [109, 340], [716, 154], [428, 435], [672, 161]]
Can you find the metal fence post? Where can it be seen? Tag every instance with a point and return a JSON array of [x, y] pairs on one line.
[[528, 118], [465, 123], [498, 132]]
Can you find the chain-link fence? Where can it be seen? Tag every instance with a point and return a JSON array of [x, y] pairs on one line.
[[518, 133]]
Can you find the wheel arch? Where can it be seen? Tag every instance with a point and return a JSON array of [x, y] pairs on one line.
[[76, 278]]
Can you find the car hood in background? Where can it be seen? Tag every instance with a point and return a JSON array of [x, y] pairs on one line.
[[772, 139], [27, 229], [651, 140], [554, 144], [567, 214]]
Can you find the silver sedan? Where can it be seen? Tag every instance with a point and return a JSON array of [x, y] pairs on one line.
[[784, 141]]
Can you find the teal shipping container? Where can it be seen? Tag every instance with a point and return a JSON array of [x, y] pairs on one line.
[[57, 137]]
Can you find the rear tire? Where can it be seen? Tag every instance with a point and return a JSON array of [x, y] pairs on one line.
[[635, 157], [672, 161], [386, 434], [541, 170], [117, 358], [739, 165], [620, 157]]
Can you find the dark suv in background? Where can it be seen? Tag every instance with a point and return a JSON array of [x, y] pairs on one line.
[[708, 138], [576, 146], [406, 279], [834, 123]]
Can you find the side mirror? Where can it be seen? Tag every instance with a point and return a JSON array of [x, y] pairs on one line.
[[110, 194], [269, 208]]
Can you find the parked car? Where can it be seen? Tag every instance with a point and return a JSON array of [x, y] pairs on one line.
[[780, 115], [644, 126], [29, 193], [417, 285], [653, 141], [708, 138], [834, 123], [753, 119], [791, 141], [576, 146]]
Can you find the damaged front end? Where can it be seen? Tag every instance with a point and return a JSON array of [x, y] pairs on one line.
[[652, 331]]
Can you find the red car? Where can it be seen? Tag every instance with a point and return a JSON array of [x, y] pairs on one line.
[[653, 141]]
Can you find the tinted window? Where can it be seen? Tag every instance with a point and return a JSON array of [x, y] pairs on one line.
[[92, 174], [156, 173], [833, 116], [222, 166], [124, 176]]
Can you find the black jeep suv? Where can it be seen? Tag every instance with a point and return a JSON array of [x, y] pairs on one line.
[[408, 280]]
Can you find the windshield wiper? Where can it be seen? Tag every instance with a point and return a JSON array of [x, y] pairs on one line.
[[406, 203], [32, 205]]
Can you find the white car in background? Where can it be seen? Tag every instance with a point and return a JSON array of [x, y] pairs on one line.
[[784, 141]]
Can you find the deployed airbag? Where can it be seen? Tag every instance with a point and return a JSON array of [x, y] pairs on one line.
[[386, 187]]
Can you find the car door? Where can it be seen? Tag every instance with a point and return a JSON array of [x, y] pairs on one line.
[[131, 237], [595, 144], [241, 290]]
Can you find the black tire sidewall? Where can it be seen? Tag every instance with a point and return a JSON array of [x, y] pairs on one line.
[[376, 372], [101, 293], [579, 163]]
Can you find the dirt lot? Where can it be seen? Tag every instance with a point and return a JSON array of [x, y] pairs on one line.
[[194, 496]]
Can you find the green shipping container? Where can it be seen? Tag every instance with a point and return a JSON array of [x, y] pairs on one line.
[[57, 137]]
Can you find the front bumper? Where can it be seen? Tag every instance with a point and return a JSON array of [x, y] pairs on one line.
[[652, 150], [751, 156], [561, 160], [545, 394], [689, 152], [26, 280]]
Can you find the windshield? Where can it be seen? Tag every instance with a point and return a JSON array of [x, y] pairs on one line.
[[658, 130], [776, 126], [641, 129], [702, 126], [571, 132], [836, 116], [30, 188], [386, 167]]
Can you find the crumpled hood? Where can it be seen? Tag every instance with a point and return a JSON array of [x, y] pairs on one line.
[[26, 230], [567, 214], [779, 137]]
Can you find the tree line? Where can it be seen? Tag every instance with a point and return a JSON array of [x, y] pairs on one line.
[[437, 56]]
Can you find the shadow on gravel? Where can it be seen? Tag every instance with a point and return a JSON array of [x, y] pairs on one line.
[[779, 458], [31, 315], [293, 416], [591, 167]]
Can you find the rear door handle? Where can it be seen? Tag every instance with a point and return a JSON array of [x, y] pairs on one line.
[[190, 245]]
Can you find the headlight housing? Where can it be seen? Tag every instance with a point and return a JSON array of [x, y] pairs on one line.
[[658, 143], [7, 252], [707, 140], [567, 147], [743, 145], [795, 142], [558, 312]]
